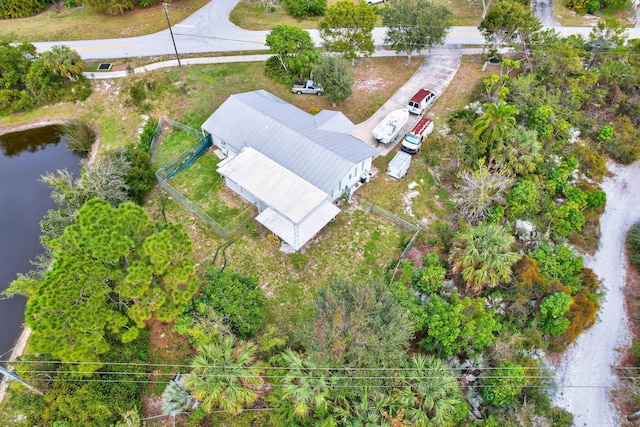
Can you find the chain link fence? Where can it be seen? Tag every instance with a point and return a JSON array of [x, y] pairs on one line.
[[163, 181]]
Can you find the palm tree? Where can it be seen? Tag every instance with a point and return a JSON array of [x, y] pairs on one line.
[[225, 375], [494, 124], [519, 152], [483, 255], [63, 61], [431, 395], [363, 407], [304, 387]]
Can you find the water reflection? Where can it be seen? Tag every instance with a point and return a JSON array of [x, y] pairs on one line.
[[24, 200], [33, 140]]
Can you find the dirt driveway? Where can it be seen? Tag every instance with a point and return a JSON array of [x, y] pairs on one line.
[[584, 377]]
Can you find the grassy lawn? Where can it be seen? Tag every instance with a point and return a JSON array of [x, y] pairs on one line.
[[569, 18], [81, 23], [253, 15]]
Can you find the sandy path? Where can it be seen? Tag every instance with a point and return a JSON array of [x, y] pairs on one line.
[[584, 376]]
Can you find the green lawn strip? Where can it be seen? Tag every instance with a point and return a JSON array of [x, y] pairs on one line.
[[82, 23]]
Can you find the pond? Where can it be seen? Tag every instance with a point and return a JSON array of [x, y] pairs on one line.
[[24, 200]]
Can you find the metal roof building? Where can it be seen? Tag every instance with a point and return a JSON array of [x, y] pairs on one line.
[[317, 148], [289, 163]]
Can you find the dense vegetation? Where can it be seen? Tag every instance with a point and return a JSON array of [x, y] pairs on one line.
[[454, 338], [22, 8], [29, 79]]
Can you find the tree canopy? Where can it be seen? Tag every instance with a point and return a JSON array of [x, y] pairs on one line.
[[414, 25], [294, 49], [111, 271], [335, 76], [347, 29]]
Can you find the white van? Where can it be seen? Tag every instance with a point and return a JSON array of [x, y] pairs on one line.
[[421, 101], [412, 141], [399, 165]]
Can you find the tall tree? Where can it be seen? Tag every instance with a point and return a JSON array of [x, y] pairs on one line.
[[336, 78], [63, 61], [347, 29], [494, 124], [513, 24], [413, 25], [112, 270], [519, 152], [294, 49], [225, 376], [483, 256]]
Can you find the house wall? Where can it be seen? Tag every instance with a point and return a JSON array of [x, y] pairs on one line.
[[222, 145], [241, 191], [351, 178]]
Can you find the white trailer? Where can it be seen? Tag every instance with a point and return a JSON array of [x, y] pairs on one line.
[[399, 165]]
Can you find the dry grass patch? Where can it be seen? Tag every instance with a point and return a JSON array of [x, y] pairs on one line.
[[82, 23], [568, 18]]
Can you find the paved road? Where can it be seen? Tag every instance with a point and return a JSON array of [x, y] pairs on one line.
[[209, 30], [544, 12]]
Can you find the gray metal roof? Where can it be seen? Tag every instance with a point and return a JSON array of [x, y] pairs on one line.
[[290, 136]]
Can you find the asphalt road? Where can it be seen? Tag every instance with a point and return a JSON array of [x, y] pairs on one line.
[[209, 30]]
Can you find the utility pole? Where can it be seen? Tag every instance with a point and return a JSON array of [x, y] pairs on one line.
[[14, 377], [166, 14]]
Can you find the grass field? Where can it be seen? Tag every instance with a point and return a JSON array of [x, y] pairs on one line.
[[253, 15], [81, 23]]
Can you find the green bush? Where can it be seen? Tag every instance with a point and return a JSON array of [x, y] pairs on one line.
[[149, 131], [593, 7], [274, 70], [305, 8], [140, 176], [80, 135], [299, 260], [624, 146], [237, 299], [633, 245], [147, 3], [502, 387], [21, 8], [110, 7]]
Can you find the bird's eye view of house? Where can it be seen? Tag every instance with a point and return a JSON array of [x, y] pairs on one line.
[[292, 165]]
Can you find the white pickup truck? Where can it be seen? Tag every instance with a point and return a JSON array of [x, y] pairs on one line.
[[306, 87]]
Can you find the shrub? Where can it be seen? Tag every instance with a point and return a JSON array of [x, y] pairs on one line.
[[147, 3], [149, 131], [593, 7], [633, 245], [140, 176], [503, 386], [624, 146], [299, 260], [305, 8], [21, 8], [273, 69], [80, 135]]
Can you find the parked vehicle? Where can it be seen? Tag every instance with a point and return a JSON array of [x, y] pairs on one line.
[[399, 165], [421, 101], [375, 1], [412, 141], [389, 128], [306, 87]]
